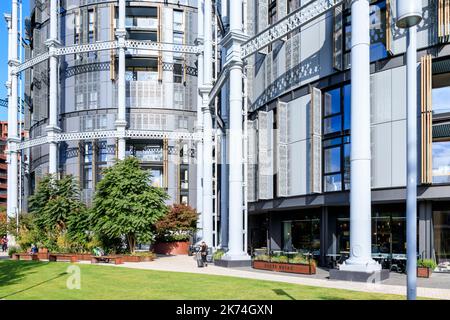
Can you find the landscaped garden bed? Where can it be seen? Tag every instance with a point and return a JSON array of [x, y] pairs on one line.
[[281, 263], [139, 257]]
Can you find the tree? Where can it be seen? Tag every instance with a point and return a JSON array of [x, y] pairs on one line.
[[126, 204], [58, 212], [178, 224]]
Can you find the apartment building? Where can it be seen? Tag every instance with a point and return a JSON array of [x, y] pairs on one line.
[[161, 91], [300, 137]]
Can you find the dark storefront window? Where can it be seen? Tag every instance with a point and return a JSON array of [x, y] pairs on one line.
[[388, 231], [302, 235], [441, 221], [336, 139]]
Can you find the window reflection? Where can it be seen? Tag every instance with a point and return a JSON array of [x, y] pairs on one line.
[[336, 139], [302, 235], [441, 162], [377, 30]]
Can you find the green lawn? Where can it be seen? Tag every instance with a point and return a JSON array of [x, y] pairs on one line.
[[43, 280]]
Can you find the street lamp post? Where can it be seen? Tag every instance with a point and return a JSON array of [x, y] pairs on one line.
[[409, 14]]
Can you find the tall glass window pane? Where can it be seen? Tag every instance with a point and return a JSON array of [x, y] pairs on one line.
[[441, 162], [441, 221], [347, 106], [333, 160], [347, 166], [333, 105]]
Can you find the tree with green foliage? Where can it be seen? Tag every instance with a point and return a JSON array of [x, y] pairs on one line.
[[58, 212], [178, 225], [126, 204]]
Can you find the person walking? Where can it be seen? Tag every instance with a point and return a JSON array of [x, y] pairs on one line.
[[1, 243], [204, 252], [4, 244]]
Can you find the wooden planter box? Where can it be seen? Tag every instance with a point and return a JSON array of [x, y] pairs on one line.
[[84, 256], [130, 258], [284, 267], [42, 255], [171, 248], [423, 272], [25, 256]]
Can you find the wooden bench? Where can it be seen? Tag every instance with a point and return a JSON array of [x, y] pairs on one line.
[[62, 257], [25, 256], [107, 259]]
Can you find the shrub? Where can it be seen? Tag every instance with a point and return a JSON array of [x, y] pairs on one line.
[[426, 263], [218, 254], [12, 250], [178, 224], [280, 259], [299, 259], [262, 257], [144, 254]]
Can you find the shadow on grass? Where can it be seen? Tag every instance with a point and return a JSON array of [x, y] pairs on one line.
[[34, 286], [12, 272], [281, 292]]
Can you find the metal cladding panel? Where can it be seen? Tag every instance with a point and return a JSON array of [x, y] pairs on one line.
[[398, 154], [282, 150], [265, 155], [381, 155], [316, 141], [263, 19], [252, 158]]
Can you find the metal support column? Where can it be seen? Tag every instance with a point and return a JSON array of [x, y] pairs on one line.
[[53, 128], [121, 121], [13, 138]]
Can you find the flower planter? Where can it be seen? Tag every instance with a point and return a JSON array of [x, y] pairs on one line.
[[42, 255], [285, 267], [130, 258], [84, 256], [171, 248], [423, 272]]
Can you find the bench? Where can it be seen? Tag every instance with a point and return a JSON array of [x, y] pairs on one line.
[[62, 257], [107, 259], [25, 256]]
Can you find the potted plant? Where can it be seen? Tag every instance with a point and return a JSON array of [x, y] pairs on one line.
[[425, 267], [175, 229]]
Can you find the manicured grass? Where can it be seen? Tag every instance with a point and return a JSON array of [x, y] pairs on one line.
[[43, 280]]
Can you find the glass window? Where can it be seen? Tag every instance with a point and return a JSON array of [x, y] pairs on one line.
[[377, 30], [332, 102], [333, 160], [347, 106], [333, 183], [178, 20], [302, 235], [177, 73], [332, 125], [441, 100], [184, 178], [156, 177], [441, 222], [441, 162], [336, 138]]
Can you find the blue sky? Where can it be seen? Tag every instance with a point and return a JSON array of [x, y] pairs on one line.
[[5, 7]]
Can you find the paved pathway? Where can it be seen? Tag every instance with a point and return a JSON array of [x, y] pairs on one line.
[[188, 264]]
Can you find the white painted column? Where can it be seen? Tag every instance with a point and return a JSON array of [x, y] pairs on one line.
[[13, 138], [52, 128], [233, 41], [207, 127], [199, 129], [121, 121], [360, 183]]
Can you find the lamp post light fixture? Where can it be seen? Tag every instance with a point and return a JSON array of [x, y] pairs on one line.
[[409, 15]]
